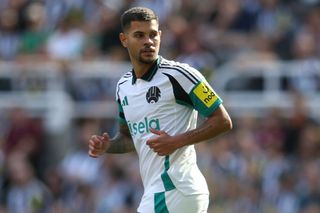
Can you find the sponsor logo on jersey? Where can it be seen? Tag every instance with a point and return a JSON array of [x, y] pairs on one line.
[[153, 94], [125, 102], [143, 126], [205, 94]]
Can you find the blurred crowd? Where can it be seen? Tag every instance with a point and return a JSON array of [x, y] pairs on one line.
[[219, 30], [264, 165]]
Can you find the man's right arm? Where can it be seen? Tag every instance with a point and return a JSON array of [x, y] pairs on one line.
[[122, 142]]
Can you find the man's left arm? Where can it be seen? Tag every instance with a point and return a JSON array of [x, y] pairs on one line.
[[217, 123]]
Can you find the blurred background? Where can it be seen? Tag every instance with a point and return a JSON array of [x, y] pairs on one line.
[[60, 61]]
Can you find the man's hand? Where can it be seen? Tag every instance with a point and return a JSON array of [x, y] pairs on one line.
[[98, 145], [163, 144]]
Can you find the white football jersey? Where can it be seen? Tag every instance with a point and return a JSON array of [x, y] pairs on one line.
[[168, 98]]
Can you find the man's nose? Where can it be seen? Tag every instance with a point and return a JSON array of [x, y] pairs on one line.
[[148, 40]]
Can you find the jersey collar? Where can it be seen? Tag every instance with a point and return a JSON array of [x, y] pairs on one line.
[[149, 74]]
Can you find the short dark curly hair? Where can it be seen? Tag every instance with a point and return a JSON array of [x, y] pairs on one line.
[[137, 14]]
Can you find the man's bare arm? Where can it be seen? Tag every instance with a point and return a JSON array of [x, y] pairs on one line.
[[122, 142], [218, 123]]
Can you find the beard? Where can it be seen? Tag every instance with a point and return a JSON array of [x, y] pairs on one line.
[[147, 59]]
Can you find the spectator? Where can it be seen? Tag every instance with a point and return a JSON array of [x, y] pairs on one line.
[[273, 20], [35, 36], [109, 29], [309, 186], [20, 7], [24, 134], [26, 193], [304, 46], [67, 41], [287, 199], [77, 167], [9, 36], [116, 189]]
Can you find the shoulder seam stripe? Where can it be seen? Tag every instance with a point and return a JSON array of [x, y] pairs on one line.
[[176, 89], [184, 70], [123, 82], [119, 86], [128, 73], [183, 73]]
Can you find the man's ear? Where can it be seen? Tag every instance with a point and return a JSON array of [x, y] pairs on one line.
[[123, 39]]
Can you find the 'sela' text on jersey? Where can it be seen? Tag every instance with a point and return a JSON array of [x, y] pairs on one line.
[[143, 126]]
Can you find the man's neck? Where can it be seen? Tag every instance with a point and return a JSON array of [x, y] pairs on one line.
[[141, 68]]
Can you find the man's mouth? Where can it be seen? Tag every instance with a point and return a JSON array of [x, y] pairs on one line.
[[147, 51]]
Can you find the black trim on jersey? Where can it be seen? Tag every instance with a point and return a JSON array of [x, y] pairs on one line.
[[127, 75], [121, 114], [149, 74], [182, 69], [178, 91], [122, 82], [182, 72], [119, 86]]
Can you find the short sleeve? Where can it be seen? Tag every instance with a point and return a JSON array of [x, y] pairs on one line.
[[121, 117], [204, 98], [191, 88]]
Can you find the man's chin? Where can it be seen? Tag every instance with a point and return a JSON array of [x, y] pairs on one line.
[[148, 60]]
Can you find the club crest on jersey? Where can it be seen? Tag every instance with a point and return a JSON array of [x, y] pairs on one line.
[[153, 95], [205, 94]]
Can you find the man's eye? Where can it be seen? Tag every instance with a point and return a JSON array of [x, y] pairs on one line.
[[138, 35], [153, 35]]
